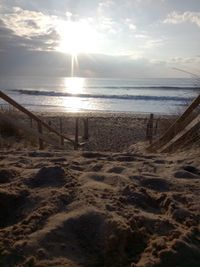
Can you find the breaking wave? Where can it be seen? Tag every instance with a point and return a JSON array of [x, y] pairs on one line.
[[102, 96]]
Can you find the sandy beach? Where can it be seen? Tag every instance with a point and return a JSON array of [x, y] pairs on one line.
[[107, 132], [110, 204], [100, 133], [113, 132]]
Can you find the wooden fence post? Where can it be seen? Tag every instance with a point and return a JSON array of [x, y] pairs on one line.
[[61, 125], [33, 117], [85, 129], [156, 127], [61, 130], [149, 131], [31, 122], [76, 134], [41, 144]]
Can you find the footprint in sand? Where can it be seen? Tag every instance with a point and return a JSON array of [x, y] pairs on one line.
[[48, 176], [7, 176], [116, 169], [183, 174], [11, 201]]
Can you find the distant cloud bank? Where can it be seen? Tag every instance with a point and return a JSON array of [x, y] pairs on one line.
[[125, 39], [178, 17]]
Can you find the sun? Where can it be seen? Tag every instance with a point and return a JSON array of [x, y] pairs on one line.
[[76, 37]]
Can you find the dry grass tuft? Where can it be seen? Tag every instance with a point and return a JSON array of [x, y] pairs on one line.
[[8, 130], [12, 136]]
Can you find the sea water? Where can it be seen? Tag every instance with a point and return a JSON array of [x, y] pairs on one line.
[[53, 94]]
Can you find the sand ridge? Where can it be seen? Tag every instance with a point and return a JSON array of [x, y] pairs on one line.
[[99, 209]]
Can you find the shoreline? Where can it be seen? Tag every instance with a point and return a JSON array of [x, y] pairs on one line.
[[107, 131], [92, 113], [96, 114], [114, 132]]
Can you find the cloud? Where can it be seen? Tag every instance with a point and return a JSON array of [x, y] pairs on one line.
[[40, 30], [43, 31], [178, 17], [105, 6], [30, 30], [31, 33], [52, 63], [28, 23], [106, 24], [141, 36], [9, 40], [185, 60], [41, 42], [152, 43], [130, 24], [41, 63]]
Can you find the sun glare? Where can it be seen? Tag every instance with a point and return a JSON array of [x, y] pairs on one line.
[[74, 85], [76, 37]]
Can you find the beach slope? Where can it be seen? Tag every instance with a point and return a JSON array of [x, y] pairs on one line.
[[99, 209]]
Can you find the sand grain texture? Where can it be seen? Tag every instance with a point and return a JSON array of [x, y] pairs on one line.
[[90, 209]]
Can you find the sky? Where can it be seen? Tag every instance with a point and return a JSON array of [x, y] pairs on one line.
[[117, 39]]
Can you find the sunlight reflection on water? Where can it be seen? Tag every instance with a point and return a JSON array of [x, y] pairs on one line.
[[75, 85], [74, 104]]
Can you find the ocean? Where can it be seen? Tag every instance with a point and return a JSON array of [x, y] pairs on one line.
[[52, 94]]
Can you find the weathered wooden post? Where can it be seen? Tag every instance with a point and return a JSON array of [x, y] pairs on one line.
[[76, 134], [85, 129], [61, 130], [176, 127], [35, 118], [41, 144], [31, 122], [62, 141], [149, 131], [156, 127], [61, 125]]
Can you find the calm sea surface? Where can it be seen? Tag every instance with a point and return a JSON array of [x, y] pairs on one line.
[[165, 96]]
